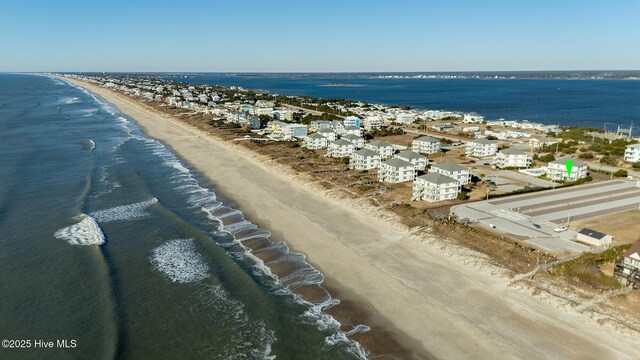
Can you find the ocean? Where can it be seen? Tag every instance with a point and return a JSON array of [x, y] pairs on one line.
[[581, 101], [107, 238]]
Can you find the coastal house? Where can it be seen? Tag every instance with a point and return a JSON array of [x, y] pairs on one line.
[[434, 187], [384, 148], [372, 122], [557, 170], [418, 160], [329, 134], [594, 238], [628, 267], [425, 145], [481, 148], [632, 153], [512, 158], [316, 141], [452, 170], [405, 118], [340, 148], [337, 126], [396, 171], [472, 118], [351, 121], [357, 141], [317, 125], [364, 159], [352, 130], [538, 142]]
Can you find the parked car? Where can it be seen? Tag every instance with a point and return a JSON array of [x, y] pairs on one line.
[[560, 229], [472, 161], [492, 226], [486, 164]]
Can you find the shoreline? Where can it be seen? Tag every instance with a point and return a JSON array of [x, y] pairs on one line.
[[451, 309]]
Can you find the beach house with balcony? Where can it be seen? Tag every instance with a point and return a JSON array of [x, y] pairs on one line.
[[418, 160], [632, 153], [557, 170], [351, 121], [628, 267], [364, 159], [352, 130], [357, 141], [329, 134], [435, 187], [512, 158], [425, 145], [372, 122], [452, 170], [340, 148], [396, 171], [316, 141], [405, 118], [481, 148], [384, 148]]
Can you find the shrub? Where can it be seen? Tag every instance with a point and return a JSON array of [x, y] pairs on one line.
[[621, 173], [547, 158], [636, 165], [586, 156]]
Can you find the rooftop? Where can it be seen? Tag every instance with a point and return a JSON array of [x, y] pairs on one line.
[[410, 155], [437, 178], [450, 166], [397, 163]]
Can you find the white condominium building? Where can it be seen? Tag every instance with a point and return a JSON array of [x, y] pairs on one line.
[[364, 159], [396, 171], [434, 187], [340, 148], [316, 141], [419, 161], [384, 148], [452, 170], [481, 148], [426, 145], [632, 153], [557, 170], [512, 158]]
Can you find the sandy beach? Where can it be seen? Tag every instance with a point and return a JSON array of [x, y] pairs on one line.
[[428, 299]]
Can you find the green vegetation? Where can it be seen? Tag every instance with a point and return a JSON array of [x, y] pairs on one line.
[[636, 165], [621, 173], [586, 156], [586, 268], [546, 158], [608, 160], [386, 132]]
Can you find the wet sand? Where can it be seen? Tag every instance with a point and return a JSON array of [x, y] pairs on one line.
[[417, 296]]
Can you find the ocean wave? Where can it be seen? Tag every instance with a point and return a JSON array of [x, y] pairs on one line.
[[71, 100], [129, 212], [231, 229], [252, 340], [179, 261], [84, 232]]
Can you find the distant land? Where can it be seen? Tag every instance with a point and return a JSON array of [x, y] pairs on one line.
[[591, 74]]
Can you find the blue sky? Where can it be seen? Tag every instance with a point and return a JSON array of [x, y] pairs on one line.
[[281, 36]]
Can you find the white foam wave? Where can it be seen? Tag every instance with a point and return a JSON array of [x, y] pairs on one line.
[[72, 100], [179, 261], [129, 212], [84, 232]]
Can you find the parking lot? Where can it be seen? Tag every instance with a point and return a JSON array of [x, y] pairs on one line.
[[533, 217]]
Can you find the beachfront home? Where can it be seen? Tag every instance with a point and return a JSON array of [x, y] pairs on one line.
[[357, 141], [329, 134], [317, 125], [452, 170], [629, 267], [294, 131], [316, 141], [396, 171], [384, 148], [340, 148], [352, 130], [512, 158], [426, 145], [364, 159], [557, 170], [434, 187], [419, 161], [372, 122], [351, 121], [632, 153], [594, 238], [472, 118], [481, 148]]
